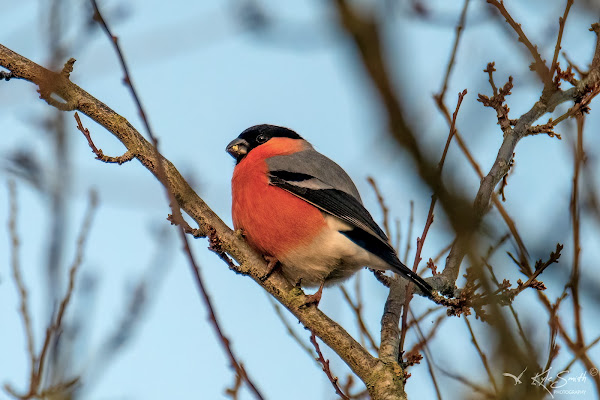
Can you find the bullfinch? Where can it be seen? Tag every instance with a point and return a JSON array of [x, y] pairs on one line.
[[296, 206]]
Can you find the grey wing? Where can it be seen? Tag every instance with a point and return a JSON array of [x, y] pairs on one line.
[[319, 181], [311, 162]]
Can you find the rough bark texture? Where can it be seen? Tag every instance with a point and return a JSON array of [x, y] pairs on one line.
[[383, 381]]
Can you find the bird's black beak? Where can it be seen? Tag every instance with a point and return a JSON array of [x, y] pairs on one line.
[[238, 148]]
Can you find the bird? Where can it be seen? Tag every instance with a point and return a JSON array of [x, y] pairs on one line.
[[303, 212]]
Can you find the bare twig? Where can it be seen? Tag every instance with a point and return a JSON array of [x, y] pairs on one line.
[[553, 321], [428, 356], [424, 339], [39, 362], [491, 250], [538, 65], [384, 209], [428, 221], [497, 100], [127, 78], [581, 106], [357, 309], [471, 385], [411, 222], [290, 330], [482, 355], [19, 283], [460, 26], [56, 325], [585, 349], [325, 364], [561, 27], [578, 158], [250, 262], [548, 101], [127, 156], [177, 217], [466, 152]]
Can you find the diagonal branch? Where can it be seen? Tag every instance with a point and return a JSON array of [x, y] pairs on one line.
[[176, 216], [251, 263], [538, 65], [428, 220], [501, 165]]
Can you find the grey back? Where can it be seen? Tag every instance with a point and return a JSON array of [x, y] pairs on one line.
[[313, 163]]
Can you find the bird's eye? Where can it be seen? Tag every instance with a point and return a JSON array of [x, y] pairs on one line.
[[261, 138]]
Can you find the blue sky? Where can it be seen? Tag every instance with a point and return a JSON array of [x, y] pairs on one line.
[[203, 79]]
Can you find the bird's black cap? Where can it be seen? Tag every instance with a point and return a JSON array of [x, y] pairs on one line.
[[255, 136]]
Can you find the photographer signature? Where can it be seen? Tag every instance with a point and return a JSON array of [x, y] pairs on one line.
[[544, 379]]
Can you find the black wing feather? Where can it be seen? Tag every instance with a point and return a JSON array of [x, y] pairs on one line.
[[365, 233], [337, 203]]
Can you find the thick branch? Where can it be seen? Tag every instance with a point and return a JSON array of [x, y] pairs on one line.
[[251, 263]]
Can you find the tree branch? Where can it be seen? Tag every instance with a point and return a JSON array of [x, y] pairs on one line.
[[505, 153], [375, 375]]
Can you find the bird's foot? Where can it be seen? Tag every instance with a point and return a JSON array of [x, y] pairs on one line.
[[273, 265], [314, 298]]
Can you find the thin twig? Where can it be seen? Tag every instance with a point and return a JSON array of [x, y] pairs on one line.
[[553, 325], [497, 101], [290, 330], [325, 364], [472, 385], [482, 355], [127, 156], [415, 320], [561, 27], [441, 253], [459, 30], [549, 100], [177, 217], [250, 263], [539, 65], [357, 309], [585, 349], [384, 209], [578, 107], [19, 283], [56, 325], [578, 158], [494, 279], [467, 153], [127, 78], [428, 356], [411, 222], [424, 339], [428, 221]]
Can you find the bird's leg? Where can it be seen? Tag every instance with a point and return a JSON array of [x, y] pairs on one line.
[[314, 298], [273, 264]]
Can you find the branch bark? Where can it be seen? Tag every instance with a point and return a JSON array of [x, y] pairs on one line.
[[382, 380]]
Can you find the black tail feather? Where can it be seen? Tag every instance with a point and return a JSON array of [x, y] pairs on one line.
[[423, 286]]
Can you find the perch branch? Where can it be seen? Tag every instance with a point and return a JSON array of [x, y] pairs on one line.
[[376, 375]]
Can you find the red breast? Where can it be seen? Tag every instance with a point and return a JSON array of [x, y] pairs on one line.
[[273, 220]]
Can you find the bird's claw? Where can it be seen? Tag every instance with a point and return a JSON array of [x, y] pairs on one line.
[[273, 264], [314, 298]]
